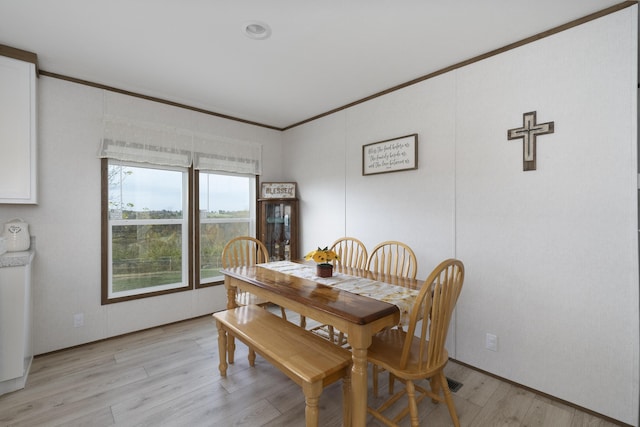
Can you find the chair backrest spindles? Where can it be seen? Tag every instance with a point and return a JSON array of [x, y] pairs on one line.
[[434, 306], [244, 251], [393, 258], [351, 252]]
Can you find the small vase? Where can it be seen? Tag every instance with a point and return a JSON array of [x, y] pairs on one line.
[[324, 270]]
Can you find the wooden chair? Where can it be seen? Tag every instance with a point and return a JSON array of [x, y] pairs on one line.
[[396, 259], [240, 252], [393, 258], [351, 253], [419, 353]]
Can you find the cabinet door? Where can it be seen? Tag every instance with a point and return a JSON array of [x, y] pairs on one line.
[[279, 228], [13, 329], [17, 131]]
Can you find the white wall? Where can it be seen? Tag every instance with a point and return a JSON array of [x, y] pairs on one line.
[[66, 222], [552, 254], [567, 300]]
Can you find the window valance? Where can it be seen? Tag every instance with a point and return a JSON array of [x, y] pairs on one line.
[[222, 154], [170, 146]]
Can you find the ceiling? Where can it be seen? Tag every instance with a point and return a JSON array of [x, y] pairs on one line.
[[321, 55]]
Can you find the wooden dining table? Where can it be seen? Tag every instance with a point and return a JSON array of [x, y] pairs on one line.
[[360, 317]]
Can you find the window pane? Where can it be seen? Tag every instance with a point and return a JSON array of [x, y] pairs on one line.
[[227, 209], [146, 255], [148, 229], [145, 193], [213, 237], [225, 195]]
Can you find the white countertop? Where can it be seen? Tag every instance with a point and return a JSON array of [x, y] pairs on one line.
[[16, 259]]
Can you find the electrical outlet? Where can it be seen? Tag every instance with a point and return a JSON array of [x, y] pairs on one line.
[[491, 342], [78, 320]]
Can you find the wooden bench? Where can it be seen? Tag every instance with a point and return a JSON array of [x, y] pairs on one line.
[[310, 361]]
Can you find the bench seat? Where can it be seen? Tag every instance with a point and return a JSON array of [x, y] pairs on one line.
[[307, 359]]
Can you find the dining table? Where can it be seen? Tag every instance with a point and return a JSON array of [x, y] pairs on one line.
[[358, 302]]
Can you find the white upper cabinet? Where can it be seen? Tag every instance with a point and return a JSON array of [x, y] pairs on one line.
[[18, 176]]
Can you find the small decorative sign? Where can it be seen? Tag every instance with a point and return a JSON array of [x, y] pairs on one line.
[[391, 155], [278, 190]]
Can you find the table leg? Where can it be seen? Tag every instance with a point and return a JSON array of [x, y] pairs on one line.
[[231, 304], [359, 340]]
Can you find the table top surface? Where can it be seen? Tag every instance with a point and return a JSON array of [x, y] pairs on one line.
[[354, 308]]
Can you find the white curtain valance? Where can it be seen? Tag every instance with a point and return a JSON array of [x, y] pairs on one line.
[[220, 154], [169, 146]]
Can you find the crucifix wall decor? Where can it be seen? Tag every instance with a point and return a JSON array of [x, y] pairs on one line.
[[529, 132]]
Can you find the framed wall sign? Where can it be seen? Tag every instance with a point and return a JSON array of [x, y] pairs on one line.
[[278, 190], [391, 155]]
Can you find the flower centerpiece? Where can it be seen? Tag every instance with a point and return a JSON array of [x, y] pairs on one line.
[[323, 258]]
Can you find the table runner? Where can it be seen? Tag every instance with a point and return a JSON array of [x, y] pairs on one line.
[[400, 296]]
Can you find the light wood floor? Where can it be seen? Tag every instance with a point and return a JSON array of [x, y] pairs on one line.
[[168, 376]]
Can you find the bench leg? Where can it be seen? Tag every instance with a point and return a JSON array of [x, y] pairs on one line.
[[231, 348], [252, 357], [222, 349], [346, 400], [312, 394]]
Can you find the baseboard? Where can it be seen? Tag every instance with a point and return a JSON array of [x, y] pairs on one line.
[[548, 396]]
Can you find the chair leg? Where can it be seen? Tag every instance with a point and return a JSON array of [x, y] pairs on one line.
[[252, 357], [346, 400], [434, 382], [448, 399], [375, 380], [413, 406], [284, 313], [331, 332]]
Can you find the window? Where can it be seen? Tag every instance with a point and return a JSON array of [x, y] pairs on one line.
[[155, 236], [147, 230], [227, 210], [147, 233]]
